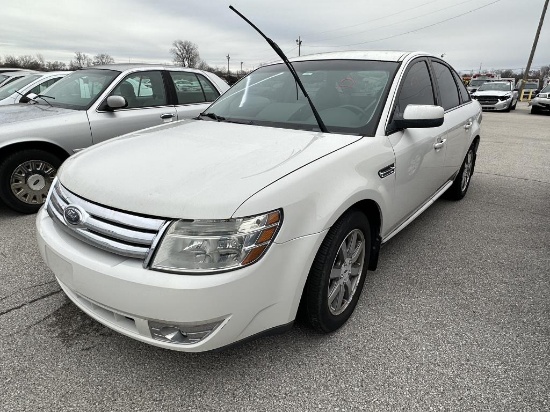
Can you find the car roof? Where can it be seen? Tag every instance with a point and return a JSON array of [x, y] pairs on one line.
[[122, 67], [381, 55]]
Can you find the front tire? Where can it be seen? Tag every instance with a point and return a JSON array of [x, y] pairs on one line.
[[462, 180], [338, 273], [26, 177]]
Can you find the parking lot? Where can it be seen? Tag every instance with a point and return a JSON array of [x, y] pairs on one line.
[[457, 317]]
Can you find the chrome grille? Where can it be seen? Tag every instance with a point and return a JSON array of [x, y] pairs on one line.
[[487, 99], [117, 232]]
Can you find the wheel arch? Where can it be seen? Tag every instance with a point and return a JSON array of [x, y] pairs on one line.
[[52, 148]]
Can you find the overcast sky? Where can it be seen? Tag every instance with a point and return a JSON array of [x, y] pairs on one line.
[[496, 34]]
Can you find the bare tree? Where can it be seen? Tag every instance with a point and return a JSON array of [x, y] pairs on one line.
[[80, 60], [55, 65], [11, 61], [202, 65], [102, 58], [185, 53]]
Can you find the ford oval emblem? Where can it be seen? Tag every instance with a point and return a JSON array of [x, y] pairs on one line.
[[72, 215]]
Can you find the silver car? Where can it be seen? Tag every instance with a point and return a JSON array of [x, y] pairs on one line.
[[18, 90], [87, 107], [541, 102]]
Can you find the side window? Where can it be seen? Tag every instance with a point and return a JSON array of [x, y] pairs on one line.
[[39, 88], [188, 88], [142, 89], [447, 86], [464, 95], [416, 87], [209, 90]]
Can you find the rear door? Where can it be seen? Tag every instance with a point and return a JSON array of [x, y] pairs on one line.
[[193, 93], [148, 106], [459, 117]]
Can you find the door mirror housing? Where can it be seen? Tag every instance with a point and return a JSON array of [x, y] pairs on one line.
[[420, 116], [116, 102]]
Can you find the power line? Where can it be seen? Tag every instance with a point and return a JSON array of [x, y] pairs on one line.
[[379, 18], [415, 30], [397, 22]]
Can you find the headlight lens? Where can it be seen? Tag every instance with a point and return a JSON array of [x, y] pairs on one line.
[[206, 246], [505, 97]]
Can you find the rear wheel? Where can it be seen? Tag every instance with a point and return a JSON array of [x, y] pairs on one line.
[[462, 180], [25, 179], [535, 110], [338, 273]]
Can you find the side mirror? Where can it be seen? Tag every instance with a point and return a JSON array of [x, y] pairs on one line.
[[420, 116], [24, 99], [116, 102]]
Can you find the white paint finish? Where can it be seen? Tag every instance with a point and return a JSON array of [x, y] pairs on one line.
[[192, 169], [423, 112]]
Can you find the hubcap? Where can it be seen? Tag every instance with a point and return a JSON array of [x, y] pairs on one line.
[[466, 174], [346, 272], [31, 180]]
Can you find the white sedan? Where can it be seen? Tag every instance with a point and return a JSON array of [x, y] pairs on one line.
[[202, 233], [18, 90]]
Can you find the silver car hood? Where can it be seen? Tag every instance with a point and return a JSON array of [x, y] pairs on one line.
[[492, 93], [25, 111], [192, 169]]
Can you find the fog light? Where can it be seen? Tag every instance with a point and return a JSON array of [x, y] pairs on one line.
[[181, 333]]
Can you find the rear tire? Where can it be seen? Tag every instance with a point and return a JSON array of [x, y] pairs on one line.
[[535, 110], [26, 177], [462, 180], [338, 273]]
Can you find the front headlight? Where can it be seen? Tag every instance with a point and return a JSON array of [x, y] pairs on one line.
[[505, 97], [206, 246]]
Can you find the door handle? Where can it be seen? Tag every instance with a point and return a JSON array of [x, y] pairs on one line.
[[167, 116], [468, 125], [439, 144]]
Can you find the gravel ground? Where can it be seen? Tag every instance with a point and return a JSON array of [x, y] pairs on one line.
[[457, 317]]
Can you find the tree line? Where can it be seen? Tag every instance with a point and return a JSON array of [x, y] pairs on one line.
[[37, 62]]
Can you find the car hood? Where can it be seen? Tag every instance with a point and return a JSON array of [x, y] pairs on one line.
[[492, 93], [24, 112], [192, 169]]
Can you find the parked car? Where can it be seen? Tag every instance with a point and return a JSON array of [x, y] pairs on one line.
[[497, 96], [541, 102], [18, 90], [200, 234], [87, 107], [8, 77]]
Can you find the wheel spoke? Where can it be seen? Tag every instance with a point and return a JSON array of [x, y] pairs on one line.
[[335, 273], [340, 297], [357, 252], [333, 293], [356, 270], [351, 244]]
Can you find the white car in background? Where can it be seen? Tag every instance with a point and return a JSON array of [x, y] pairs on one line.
[[18, 90], [495, 95], [199, 234], [8, 77], [541, 102]]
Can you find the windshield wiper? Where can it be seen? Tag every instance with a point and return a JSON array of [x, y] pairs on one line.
[[280, 53], [212, 116], [35, 96]]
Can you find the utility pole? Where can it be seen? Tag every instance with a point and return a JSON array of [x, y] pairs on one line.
[[299, 43], [227, 63], [241, 67], [526, 72]]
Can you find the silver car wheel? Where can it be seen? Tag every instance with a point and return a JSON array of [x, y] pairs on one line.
[[31, 180], [467, 172], [346, 272]]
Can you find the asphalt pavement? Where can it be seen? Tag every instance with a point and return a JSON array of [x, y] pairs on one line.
[[457, 317]]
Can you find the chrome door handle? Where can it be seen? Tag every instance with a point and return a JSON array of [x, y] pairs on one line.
[[468, 125], [439, 144], [167, 116]]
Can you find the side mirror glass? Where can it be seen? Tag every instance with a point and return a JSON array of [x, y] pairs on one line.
[[116, 102]]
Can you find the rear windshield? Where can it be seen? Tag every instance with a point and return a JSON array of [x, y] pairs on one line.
[[348, 94]]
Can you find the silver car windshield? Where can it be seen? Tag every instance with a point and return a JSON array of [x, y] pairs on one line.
[[348, 95], [495, 86], [10, 88], [79, 90]]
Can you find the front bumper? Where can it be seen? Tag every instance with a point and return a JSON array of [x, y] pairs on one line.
[[119, 293], [499, 105], [541, 102]]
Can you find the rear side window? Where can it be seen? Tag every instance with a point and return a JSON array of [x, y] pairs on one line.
[[43, 86], [193, 88], [447, 86], [464, 95], [416, 87]]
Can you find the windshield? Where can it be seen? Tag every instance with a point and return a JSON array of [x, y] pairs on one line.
[[478, 82], [3, 77], [10, 88], [504, 87], [348, 95], [546, 89], [79, 90]]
